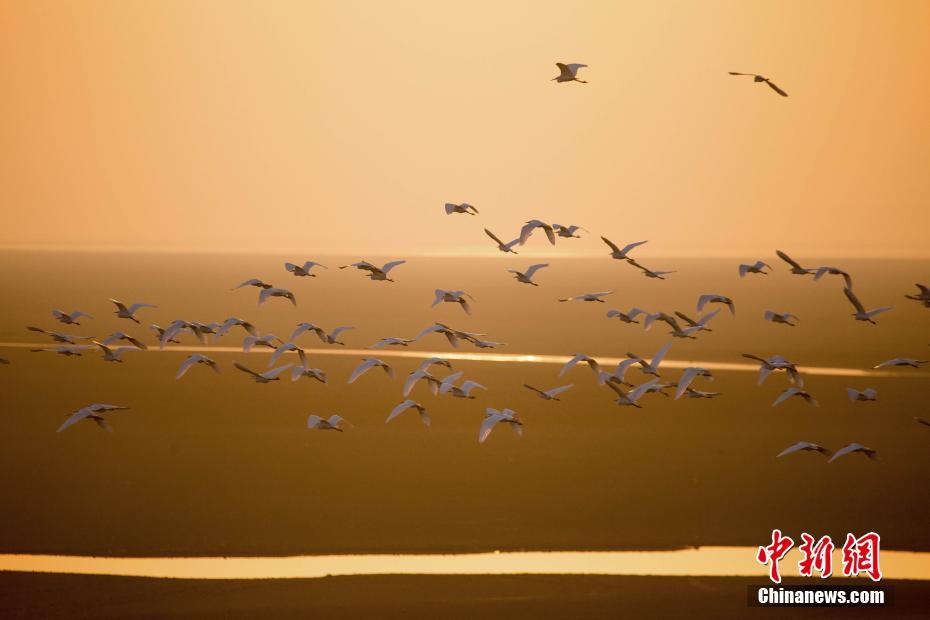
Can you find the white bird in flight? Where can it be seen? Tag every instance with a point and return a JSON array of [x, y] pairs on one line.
[[567, 232], [784, 318], [796, 267], [265, 377], [651, 368], [311, 373], [268, 341], [118, 336], [833, 271], [757, 267], [758, 78], [315, 422], [254, 282], [233, 321], [688, 376], [713, 298], [923, 295], [464, 391], [67, 350], [773, 363], [266, 293], [409, 404], [503, 247], [861, 314], [113, 355], [626, 317], [330, 338], [629, 398], [58, 336], [526, 277], [124, 312], [621, 253], [798, 391], [901, 361], [551, 394], [69, 319], [378, 274], [854, 447], [92, 412], [866, 395], [527, 230], [455, 297], [462, 208], [568, 72], [367, 364], [804, 446], [589, 297], [193, 360], [618, 375], [161, 335], [284, 348], [649, 273], [421, 374], [493, 417], [389, 342], [303, 271], [581, 357]]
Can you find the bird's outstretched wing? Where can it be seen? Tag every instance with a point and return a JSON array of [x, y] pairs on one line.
[[776, 88], [788, 259], [854, 300]]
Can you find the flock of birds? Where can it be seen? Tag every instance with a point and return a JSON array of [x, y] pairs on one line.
[[454, 384]]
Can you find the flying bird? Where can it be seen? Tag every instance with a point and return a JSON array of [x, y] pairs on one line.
[[493, 417], [434, 361], [388, 342], [531, 226], [568, 72], [771, 364], [854, 447], [649, 273], [757, 267], [861, 314], [414, 377], [923, 295], [688, 376], [92, 412], [118, 336], [233, 321], [265, 377], [804, 446], [626, 317], [651, 368], [193, 360], [265, 293], [113, 355], [758, 78], [866, 395], [330, 338], [254, 282], [800, 393], [124, 312], [464, 391], [922, 421], [567, 232], [618, 375], [303, 271], [162, 340], [311, 373], [581, 357], [629, 398], [58, 336], [367, 364], [784, 318], [409, 404], [69, 319], [713, 298], [589, 297], [456, 297], [315, 422], [284, 348], [901, 361], [503, 247], [526, 277], [549, 394], [378, 274], [268, 341], [65, 350], [621, 253], [796, 267], [462, 208], [833, 271]]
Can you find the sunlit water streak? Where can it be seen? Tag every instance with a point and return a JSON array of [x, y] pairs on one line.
[[525, 358], [702, 562]]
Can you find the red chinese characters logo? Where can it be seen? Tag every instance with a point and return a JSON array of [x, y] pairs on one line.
[[773, 553], [860, 555], [817, 556]]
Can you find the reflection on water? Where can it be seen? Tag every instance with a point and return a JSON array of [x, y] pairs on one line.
[[705, 561], [528, 358]]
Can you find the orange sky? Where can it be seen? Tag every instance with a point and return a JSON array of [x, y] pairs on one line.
[[343, 126]]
